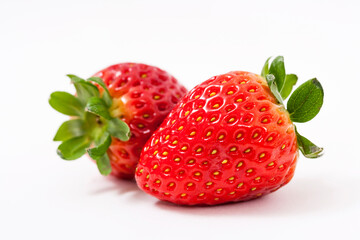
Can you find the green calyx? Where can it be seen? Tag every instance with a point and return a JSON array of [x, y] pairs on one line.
[[304, 103], [91, 127]]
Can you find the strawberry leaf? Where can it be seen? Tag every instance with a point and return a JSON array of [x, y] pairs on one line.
[[265, 69], [277, 68], [84, 90], [98, 107], [306, 101], [119, 129], [290, 81], [106, 94], [66, 103], [70, 129], [98, 151], [93, 125], [99, 154], [104, 165], [273, 87], [74, 148], [75, 79], [308, 149]]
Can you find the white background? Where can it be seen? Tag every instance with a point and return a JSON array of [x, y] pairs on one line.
[[44, 197]]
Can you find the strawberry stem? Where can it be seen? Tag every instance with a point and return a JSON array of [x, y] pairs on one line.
[[303, 105], [91, 123]]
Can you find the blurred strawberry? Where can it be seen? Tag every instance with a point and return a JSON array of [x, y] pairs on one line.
[[114, 113]]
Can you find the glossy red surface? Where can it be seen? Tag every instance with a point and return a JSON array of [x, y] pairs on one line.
[[143, 96], [227, 140]]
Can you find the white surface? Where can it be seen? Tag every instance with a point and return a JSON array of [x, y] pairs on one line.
[[43, 197]]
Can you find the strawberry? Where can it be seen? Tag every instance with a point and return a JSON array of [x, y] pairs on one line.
[[230, 138], [114, 113]]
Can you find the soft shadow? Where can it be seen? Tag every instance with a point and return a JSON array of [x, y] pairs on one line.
[[300, 197], [121, 186]]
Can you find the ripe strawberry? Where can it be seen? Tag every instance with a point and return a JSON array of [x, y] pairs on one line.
[[230, 139], [115, 111]]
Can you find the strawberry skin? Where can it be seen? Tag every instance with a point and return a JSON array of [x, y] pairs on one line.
[[228, 140], [143, 96]]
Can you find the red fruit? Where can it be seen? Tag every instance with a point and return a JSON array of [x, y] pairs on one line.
[[142, 96], [228, 140]]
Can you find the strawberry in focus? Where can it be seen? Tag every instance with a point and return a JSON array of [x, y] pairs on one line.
[[114, 113], [230, 138]]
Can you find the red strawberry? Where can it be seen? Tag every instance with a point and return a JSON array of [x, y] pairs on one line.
[[116, 111], [230, 139]]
